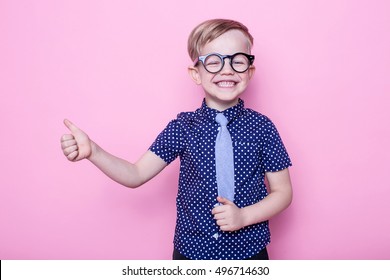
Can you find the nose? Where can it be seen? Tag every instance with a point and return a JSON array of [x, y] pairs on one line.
[[227, 68]]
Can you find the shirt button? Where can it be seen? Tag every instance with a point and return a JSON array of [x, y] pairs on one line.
[[216, 236]]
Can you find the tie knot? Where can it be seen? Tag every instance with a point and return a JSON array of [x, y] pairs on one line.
[[221, 119]]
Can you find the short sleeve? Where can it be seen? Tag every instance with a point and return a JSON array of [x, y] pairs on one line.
[[168, 144], [274, 153]]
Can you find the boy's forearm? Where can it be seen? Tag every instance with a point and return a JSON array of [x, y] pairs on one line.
[[264, 210], [129, 174], [119, 170]]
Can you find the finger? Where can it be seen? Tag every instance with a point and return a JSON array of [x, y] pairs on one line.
[[225, 228], [71, 126], [72, 156], [70, 150], [224, 201], [219, 217], [217, 210], [68, 143], [66, 137]]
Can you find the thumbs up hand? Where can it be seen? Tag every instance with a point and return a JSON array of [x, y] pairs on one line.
[[77, 145], [228, 216]]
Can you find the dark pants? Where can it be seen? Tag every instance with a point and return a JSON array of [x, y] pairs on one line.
[[262, 255]]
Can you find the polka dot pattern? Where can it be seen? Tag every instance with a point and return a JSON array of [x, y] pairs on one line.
[[258, 148]]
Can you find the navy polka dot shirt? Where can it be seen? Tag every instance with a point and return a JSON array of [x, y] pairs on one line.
[[258, 148]]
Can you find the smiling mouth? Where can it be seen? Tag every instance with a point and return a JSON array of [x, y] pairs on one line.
[[226, 84]]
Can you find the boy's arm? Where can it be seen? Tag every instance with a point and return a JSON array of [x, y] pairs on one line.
[[278, 199], [78, 146], [229, 217]]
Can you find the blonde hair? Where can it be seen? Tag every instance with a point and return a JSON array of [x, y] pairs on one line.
[[211, 29]]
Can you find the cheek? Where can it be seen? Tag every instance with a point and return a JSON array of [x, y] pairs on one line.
[[244, 78], [208, 77], [205, 77]]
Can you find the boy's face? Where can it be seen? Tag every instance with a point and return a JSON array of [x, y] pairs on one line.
[[223, 89]]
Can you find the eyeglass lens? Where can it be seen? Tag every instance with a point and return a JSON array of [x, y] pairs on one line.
[[214, 63]]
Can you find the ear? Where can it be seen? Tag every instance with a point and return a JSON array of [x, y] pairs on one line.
[[194, 74], [251, 71]]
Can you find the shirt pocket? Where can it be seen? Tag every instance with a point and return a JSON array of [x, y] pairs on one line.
[[247, 160]]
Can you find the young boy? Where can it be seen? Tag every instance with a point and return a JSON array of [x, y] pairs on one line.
[[214, 221]]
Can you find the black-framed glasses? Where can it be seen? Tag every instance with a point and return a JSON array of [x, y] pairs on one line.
[[214, 62]]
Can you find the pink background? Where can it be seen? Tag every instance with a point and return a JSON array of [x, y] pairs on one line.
[[117, 68]]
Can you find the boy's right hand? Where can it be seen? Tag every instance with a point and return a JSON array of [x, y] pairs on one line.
[[75, 146]]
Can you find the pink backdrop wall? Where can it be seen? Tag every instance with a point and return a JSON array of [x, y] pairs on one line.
[[113, 66]]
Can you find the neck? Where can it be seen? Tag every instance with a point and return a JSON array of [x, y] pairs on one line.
[[220, 106]]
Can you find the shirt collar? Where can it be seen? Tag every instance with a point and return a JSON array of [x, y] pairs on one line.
[[230, 113]]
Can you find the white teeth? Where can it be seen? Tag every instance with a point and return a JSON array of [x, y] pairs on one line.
[[226, 84]]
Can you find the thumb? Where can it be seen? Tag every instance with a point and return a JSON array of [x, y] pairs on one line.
[[224, 201], [71, 126]]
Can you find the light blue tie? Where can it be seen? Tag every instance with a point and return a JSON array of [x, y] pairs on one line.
[[224, 160]]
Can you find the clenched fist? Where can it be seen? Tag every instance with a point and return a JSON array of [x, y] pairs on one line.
[[77, 145]]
